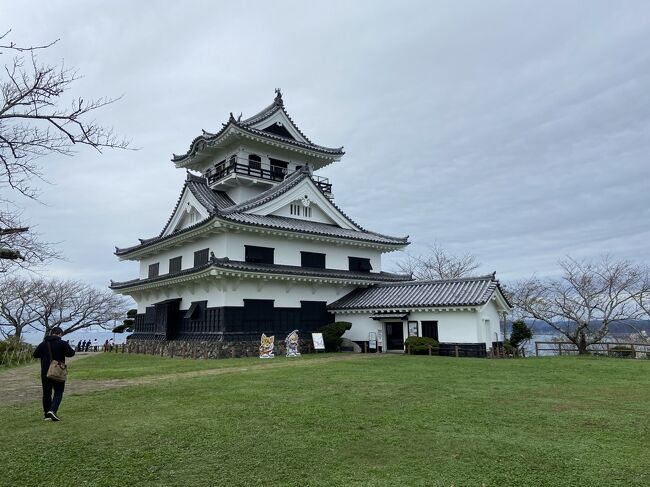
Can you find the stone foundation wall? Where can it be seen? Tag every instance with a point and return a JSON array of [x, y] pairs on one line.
[[207, 349]]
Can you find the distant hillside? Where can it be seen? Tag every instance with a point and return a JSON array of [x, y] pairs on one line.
[[541, 328]]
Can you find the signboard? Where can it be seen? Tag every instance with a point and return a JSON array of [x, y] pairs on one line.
[[380, 338], [372, 340], [413, 328], [317, 338]]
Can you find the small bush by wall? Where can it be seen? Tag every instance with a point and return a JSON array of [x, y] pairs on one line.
[[420, 346], [332, 334]]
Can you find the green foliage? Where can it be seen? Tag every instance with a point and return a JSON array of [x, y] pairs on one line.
[[332, 334], [420, 345], [128, 324], [15, 352], [520, 334]]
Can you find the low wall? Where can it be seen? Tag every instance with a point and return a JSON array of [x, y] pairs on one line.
[[206, 349]]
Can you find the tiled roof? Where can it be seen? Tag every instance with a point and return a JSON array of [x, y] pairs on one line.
[[470, 291], [278, 104], [222, 207], [246, 126], [276, 269]]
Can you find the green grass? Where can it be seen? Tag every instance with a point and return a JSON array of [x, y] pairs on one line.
[[396, 420], [117, 366]]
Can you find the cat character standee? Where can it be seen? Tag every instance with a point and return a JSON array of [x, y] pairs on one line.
[[266, 346], [291, 342]]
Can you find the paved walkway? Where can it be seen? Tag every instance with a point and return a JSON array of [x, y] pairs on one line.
[[22, 384]]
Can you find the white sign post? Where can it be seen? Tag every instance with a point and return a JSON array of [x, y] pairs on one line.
[[317, 338], [372, 340]]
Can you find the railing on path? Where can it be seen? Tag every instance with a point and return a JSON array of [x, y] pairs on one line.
[[610, 349]]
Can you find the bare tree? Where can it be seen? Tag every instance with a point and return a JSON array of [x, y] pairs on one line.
[[18, 302], [585, 300], [43, 304], [20, 247], [437, 263], [35, 121]]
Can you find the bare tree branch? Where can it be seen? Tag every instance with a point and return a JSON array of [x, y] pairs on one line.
[[437, 263], [43, 304], [583, 303]]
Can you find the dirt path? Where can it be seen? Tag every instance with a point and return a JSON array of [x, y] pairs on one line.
[[21, 384]]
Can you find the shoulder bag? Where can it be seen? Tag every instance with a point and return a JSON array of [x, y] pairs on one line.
[[58, 370]]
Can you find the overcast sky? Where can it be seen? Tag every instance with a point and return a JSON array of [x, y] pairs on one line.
[[517, 131]]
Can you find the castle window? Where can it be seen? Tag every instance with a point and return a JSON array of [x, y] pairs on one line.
[[430, 329], [306, 211], [254, 161], [278, 168], [154, 269], [201, 257], [359, 264], [295, 209], [175, 264], [312, 259], [197, 310], [259, 255]]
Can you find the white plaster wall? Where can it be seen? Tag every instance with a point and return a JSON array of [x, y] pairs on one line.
[[287, 251], [286, 294], [495, 333], [218, 291], [317, 215], [216, 242], [453, 326], [362, 325], [241, 193]]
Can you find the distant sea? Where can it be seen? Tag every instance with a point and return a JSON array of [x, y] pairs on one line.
[[101, 335]]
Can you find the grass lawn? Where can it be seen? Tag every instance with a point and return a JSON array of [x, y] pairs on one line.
[[392, 420], [118, 366]]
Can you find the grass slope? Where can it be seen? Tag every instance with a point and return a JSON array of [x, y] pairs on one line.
[[389, 421]]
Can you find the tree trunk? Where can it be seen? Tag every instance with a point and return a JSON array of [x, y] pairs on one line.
[[582, 344]]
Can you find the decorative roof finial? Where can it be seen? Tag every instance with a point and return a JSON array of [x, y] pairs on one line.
[[239, 117], [278, 97]]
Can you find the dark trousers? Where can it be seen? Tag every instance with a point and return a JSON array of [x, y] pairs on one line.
[[52, 402]]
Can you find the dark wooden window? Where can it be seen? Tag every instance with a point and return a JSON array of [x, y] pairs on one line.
[[201, 257], [154, 270], [278, 168], [258, 315], [259, 255], [430, 329], [254, 161], [197, 310], [312, 259], [175, 264], [314, 314], [360, 264]]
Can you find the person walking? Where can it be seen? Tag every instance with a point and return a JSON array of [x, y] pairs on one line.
[[52, 348]]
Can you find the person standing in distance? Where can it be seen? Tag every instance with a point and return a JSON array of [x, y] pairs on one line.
[[60, 350]]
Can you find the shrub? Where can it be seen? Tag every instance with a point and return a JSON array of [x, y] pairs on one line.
[[332, 334], [15, 352], [420, 345], [520, 334]]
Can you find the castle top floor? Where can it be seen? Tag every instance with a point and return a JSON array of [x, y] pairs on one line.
[[249, 156]]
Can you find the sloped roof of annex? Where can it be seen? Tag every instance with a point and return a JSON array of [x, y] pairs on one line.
[[282, 131], [220, 210], [445, 293]]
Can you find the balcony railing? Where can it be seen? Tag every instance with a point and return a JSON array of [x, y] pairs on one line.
[[274, 173]]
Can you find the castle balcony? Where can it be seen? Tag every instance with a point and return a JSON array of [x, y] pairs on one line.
[[237, 170]]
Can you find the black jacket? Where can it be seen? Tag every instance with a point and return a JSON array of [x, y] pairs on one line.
[[60, 350]]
